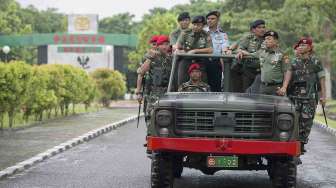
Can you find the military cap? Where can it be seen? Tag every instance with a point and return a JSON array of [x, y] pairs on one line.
[[271, 33], [162, 39], [198, 19], [153, 39], [183, 16], [194, 66], [256, 23], [215, 13]]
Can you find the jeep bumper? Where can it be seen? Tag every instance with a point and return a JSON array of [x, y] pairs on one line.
[[224, 146]]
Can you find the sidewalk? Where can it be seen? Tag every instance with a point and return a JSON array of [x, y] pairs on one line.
[[17, 146]]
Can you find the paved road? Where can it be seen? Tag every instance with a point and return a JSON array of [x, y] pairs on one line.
[[16, 146], [118, 160]]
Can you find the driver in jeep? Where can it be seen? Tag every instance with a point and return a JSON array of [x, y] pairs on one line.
[[195, 84]]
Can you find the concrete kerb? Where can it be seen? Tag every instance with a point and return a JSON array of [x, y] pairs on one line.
[[329, 130], [24, 165]]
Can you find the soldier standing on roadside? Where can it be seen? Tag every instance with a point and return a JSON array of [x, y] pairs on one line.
[[158, 68], [308, 79]]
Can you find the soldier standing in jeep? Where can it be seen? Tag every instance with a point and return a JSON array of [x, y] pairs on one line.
[[275, 73], [251, 43]]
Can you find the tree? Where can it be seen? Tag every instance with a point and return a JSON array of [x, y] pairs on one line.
[[120, 23], [40, 98], [111, 85], [15, 83]]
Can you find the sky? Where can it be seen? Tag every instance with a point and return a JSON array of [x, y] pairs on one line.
[[104, 8]]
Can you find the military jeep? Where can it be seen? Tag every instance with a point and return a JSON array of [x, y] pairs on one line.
[[213, 131]]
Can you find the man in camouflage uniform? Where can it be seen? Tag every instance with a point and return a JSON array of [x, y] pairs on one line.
[[184, 22], [275, 67], [195, 40], [308, 76], [195, 83], [158, 69], [248, 45]]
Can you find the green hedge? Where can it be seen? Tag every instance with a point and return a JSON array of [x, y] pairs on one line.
[[111, 85], [38, 90]]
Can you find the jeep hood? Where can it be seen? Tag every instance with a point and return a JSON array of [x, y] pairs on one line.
[[227, 101]]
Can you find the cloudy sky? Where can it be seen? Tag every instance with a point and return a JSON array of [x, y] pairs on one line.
[[103, 7]]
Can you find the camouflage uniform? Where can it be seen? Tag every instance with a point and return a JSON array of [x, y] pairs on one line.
[[190, 87], [273, 68], [190, 40], [250, 68], [174, 36], [308, 71], [156, 83]]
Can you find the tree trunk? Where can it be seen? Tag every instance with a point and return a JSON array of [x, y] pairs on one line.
[[326, 58], [66, 109], [11, 115], [62, 110], [1, 120], [56, 111], [41, 116], [73, 108], [49, 113]]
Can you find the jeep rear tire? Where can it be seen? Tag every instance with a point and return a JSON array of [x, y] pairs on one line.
[[283, 172], [161, 171]]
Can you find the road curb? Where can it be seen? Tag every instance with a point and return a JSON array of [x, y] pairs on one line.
[[324, 127], [24, 165]]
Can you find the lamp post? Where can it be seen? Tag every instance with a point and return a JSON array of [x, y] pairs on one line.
[[108, 51], [6, 49]]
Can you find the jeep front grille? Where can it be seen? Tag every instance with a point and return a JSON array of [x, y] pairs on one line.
[[224, 123]]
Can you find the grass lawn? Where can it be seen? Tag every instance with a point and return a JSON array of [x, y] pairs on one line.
[[331, 123], [332, 108], [19, 122]]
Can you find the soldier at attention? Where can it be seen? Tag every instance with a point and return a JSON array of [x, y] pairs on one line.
[[275, 67], [195, 40], [308, 80], [195, 83], [183, 21]]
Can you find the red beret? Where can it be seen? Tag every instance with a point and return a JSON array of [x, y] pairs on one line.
[[193, 67], [162, 39], [306, 40], [153, 39]]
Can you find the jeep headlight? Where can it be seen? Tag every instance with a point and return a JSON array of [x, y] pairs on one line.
[[164, 118], [285, 122]]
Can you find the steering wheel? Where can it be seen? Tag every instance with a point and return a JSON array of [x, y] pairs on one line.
[[194, 86]]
